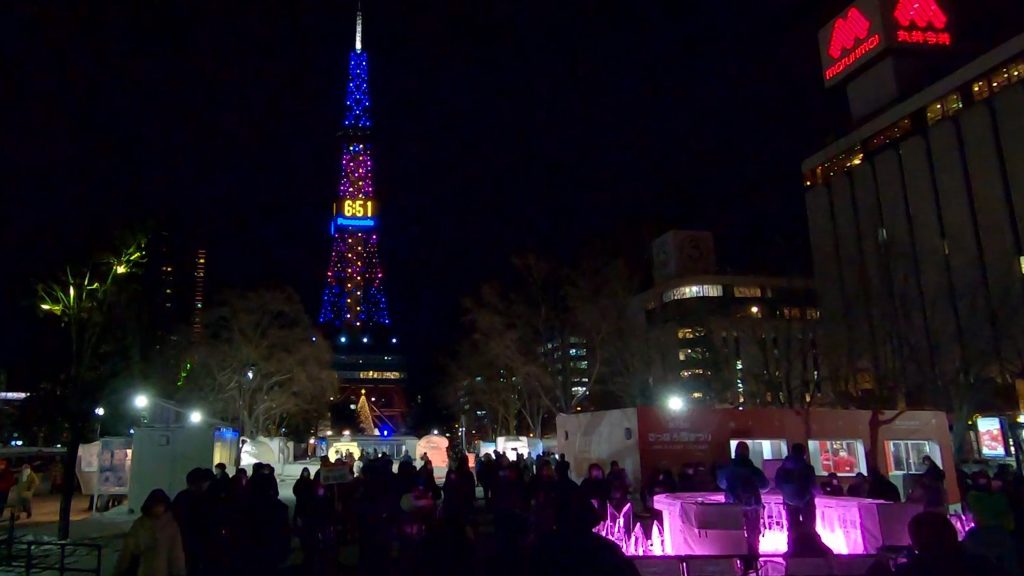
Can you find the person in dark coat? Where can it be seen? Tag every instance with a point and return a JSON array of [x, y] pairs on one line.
[[193, 509], [880, 487], [831, 485], [594, 488], [933, 485], [859, 487], [459, 493], [265, 532], [743, 483], [795, 479], [574, 548], [938, 553]]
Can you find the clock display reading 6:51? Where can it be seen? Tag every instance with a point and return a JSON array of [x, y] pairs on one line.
[[358, 209]]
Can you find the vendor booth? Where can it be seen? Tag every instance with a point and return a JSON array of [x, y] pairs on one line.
[[647, 439], [161, 456]]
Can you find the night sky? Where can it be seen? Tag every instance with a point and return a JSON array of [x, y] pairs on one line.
[[564, 128]]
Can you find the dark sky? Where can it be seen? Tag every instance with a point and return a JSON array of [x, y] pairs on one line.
[[501, 127]]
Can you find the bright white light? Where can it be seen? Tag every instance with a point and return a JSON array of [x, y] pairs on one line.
[[365, 339], [754, 309], [131, 430], [346, 432], [195, 416], [99, 411], [251, 373], [434, 431], [675, 403], [141, 401], [394, 340]]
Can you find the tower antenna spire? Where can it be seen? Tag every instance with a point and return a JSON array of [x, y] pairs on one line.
[[359, 26]]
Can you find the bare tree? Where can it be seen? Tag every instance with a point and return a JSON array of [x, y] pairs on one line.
[[262, 365]]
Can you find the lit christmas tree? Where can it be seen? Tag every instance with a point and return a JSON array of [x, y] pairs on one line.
[[365, 418], [353, 301]]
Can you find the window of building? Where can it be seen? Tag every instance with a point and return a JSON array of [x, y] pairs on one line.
[[980, 90], [791, 313], [934, 112], [813, 314], [1000, 79], [746, 291], [692, 353], [952, 104], [1016, 71], [697, 291], [697, 395], [691, 333], [693, 372], [762, 449], [579, 364], [844, 457], [577, 390], [904, 456], [577, 352]]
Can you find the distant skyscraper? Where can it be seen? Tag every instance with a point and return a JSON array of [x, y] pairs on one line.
[[199, 294]]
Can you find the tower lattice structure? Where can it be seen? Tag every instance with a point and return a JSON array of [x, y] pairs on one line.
[[354, 304]]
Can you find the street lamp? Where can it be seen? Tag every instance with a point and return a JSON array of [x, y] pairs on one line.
[[195, 416], [675, 403], [99, 411], [754, 310], [141, 401]]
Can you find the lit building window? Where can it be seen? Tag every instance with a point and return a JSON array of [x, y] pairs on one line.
[[691, 333], [1016, 71], [791, 313], [697, 395], [813, 314], [980, 90], [692, 353], [934, 112], [577, 352], [684, 374], [697, 291], [1000, 80], [746, 291], [579, 364]]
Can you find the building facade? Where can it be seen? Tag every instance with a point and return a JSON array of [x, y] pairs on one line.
[[730, 339], [916, 220]]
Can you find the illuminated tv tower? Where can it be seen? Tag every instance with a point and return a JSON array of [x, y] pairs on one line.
[[354, 312], [354, 306]]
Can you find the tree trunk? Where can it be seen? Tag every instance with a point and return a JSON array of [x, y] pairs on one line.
[[68, 489]]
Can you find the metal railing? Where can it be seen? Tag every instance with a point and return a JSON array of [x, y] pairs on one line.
[[27, 556]]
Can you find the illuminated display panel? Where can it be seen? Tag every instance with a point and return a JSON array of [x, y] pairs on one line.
[[921, 22], [359, 213], [850, 40]]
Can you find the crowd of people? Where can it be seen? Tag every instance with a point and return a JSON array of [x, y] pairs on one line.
[[396, 516]]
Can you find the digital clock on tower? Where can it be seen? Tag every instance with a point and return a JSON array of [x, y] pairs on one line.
[[359, 212]]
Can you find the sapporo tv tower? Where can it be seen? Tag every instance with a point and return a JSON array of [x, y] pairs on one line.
[[354, 310]]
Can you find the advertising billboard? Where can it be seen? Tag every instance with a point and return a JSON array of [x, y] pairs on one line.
[[990, 438]]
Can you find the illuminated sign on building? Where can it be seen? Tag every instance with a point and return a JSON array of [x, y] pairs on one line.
[[867, 27], [921, 22], [851, 39], [377, 375]]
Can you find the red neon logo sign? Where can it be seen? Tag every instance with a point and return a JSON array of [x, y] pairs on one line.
[[922, 14], [847, 31]]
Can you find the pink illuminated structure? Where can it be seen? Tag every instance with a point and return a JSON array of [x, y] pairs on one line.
[[702, 524]]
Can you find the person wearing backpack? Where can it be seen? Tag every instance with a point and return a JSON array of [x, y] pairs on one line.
[[743, 483], [795, 479]]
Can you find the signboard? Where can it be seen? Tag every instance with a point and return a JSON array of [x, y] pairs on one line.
[[851, 39], [114, 465], [867, 28], [990, 437]]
